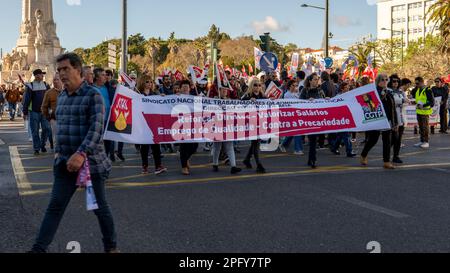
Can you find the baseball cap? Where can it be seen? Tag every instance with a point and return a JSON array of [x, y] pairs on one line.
[[38, 72]]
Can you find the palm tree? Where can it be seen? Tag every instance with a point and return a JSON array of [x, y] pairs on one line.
[[439, 13], [361, 53]]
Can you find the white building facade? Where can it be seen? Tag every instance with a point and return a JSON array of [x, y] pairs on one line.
[[409, 16]]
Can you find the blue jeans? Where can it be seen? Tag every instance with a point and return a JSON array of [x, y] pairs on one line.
[[298, 143], [12, 110], [37, 121], [343, 138], [19, 109], [63, 189]]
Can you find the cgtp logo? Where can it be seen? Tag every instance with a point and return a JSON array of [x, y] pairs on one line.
[[121, 120], [371, 106]]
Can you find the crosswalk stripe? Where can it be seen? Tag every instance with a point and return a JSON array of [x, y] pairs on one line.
[[19, 172]]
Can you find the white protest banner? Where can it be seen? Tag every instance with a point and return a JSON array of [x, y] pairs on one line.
[[410, 114], [196, 73], [258, 54], [222, 80], [294, 61], [127, 80], [273, 92], [179, 119]]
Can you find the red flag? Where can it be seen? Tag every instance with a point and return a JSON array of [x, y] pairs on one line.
[[179, 76], [250, 69]]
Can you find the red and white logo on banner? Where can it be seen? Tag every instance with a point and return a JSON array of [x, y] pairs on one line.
[[273, 92]]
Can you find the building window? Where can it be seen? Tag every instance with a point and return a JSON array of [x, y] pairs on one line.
[[415, 5], [398, 8]]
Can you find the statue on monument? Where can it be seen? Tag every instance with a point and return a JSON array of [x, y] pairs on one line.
[[7, 63], [40, 28], [26, 27]]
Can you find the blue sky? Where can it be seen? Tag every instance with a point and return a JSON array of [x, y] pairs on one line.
[[90, 22]]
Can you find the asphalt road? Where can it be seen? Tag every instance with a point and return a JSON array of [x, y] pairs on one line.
[[340, 207]]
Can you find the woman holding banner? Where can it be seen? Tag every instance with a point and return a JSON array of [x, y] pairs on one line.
[[373, 136], [255, 92], [400, 100], [312, 91], [187, 150], [146, 87], [228, 146], [292, 94]]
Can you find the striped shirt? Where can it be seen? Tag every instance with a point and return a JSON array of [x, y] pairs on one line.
[[80, 119]]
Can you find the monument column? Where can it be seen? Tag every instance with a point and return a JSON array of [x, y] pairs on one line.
[[38, 43]]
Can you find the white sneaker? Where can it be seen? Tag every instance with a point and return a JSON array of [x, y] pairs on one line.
[[425, 145], [299, 153], [282, 148], [418, 144]]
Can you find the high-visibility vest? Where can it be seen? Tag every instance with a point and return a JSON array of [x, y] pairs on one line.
[[421, 96]]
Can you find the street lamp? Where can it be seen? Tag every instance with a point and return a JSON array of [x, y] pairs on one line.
[[403, 33], [124, 37], [327, 15]]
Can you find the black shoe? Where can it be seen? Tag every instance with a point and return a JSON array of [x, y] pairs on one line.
[[112, 157], [397, 160], [215, 168], [247, 164], [36, 153], [351, 155], [336, 152], [120, 156], [312, 164], [43, 150], [235, 170], [260, 169]]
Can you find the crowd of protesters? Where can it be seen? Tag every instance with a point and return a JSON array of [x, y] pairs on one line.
[[71, 115], [38, 102]]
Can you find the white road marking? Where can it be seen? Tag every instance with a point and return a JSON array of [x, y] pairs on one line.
[[23, 184], [372, 207], [441, 170]]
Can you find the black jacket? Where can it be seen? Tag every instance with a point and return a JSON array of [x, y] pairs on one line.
[[441, 92], [388, 101], [253, 96], [314, 93]]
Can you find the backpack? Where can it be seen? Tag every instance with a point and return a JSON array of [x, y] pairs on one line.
[[13, 96]]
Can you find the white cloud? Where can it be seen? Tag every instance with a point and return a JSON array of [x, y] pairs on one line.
[[73, 2], [269, 24], [371, 2], [346, 21]]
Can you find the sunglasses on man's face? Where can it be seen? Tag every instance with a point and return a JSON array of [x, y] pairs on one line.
[[384, 80], [258, 85], [395, 81]]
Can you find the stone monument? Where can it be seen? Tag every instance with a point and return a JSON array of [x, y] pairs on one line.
[[37, 45]]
